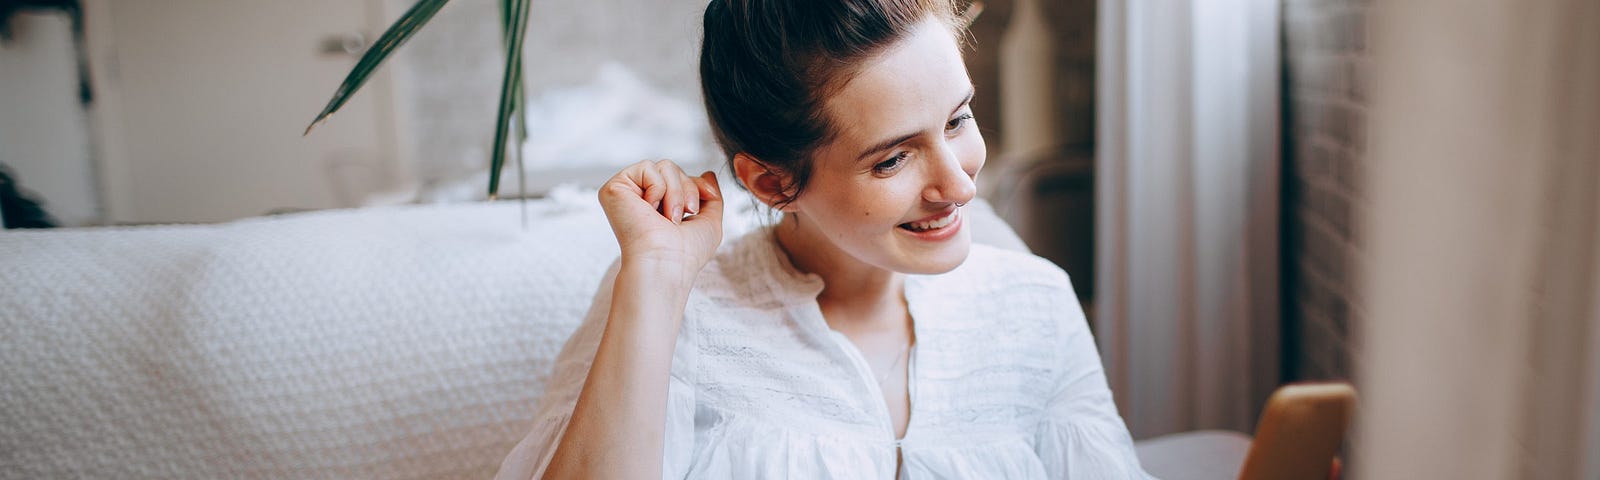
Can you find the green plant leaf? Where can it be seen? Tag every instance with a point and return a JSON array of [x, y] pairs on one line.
[[510, 88], [517, 105], [518, 109], [396, 35]]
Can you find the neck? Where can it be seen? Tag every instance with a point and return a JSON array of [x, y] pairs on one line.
[[849, 285]]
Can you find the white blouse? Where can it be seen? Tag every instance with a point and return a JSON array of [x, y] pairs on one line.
[[1005, 381]]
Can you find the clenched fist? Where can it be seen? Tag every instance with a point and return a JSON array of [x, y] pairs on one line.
[[660, 214]]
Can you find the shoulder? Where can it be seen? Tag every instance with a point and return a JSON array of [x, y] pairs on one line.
[[749, 271], [731, 270], [1021, 297], [1001, 311]]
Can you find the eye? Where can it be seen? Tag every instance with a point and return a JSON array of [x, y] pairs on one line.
[[955, 124], [891, 165]]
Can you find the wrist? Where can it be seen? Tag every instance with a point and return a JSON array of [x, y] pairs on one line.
[[651, 296], [661, 273]]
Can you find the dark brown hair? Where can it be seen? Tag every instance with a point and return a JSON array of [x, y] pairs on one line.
[[767, 65]]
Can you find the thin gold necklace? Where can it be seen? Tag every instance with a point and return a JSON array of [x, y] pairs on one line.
[[896, 363]]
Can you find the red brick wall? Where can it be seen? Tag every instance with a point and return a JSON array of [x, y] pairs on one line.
[[1325, 107]]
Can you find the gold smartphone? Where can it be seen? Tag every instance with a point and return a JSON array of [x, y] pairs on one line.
[[1300, 432]]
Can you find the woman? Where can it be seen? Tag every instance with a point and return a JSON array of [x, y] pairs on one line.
[[862, 336]]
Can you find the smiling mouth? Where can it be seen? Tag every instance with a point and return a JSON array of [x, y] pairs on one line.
[[931, 225]]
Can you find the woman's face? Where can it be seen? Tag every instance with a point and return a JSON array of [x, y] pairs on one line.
[[886, 190]]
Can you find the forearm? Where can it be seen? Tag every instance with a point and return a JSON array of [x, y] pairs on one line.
[[618, 424]]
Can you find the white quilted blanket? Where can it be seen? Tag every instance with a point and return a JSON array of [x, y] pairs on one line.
[[403, 342], [383, 343]]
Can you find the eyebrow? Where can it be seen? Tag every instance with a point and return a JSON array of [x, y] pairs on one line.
[[890, 143]]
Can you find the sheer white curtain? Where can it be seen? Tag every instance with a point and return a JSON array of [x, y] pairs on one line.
[[1187, 210], [1483, 261]]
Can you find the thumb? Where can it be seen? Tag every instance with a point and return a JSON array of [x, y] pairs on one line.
[[710, 198]]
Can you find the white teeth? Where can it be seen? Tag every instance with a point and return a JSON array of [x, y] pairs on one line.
[[932, 224]]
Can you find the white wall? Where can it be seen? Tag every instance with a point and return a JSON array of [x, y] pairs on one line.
[[201, 105], [44, 130], [1482, 241], [450, 73]]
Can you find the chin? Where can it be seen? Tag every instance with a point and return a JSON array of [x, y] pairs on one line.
[[938, 260]]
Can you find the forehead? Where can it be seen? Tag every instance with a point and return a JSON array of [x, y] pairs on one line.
[[911, 85]]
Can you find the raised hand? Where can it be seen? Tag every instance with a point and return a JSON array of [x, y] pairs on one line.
[[668, 225], [660, 214]]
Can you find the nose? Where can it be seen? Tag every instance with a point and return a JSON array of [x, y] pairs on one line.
[[951, 180]]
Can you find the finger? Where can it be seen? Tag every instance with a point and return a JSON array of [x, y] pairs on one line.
[[709, 188], [708, 223], [623, 184], [691, 193], [710, 195], [626, 189], [655, 187], [626, 197], [672, 204], [688, 192], [694, 187]]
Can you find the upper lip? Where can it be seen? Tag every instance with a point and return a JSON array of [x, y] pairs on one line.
[[942, 213]]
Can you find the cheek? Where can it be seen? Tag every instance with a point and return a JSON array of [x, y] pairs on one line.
[[972, 151], [875, 203]]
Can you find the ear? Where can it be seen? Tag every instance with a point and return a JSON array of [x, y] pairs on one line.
[[763, 182]]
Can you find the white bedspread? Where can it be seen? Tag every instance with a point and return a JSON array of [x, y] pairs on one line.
[[396, 343], [399, 342]]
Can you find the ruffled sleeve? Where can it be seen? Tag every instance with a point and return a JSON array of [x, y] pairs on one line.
[[1082, 436], [532, 455]]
